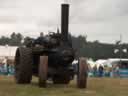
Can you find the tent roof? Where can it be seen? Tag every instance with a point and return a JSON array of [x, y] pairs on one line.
[[7, 50]]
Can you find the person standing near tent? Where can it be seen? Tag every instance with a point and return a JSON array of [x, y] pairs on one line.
[[5, 66], [1, 69], [95, 70], [100, 71]]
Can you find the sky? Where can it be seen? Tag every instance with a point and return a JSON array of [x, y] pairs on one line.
[[102, 20]]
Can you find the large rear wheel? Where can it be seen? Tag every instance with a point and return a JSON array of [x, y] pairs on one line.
[[82, 73], [43, 71], [23, 65]]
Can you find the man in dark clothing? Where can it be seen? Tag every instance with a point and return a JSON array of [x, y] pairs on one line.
[[101, 71], [95, 71], [40, 40]]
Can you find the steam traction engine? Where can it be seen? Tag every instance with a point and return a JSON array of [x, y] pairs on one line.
[[50, 57]]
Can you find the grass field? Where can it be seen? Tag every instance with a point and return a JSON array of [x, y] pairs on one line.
[[95, 87]]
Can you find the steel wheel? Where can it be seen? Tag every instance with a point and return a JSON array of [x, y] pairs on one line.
[[82, 73], [23, 65], [43, 70]]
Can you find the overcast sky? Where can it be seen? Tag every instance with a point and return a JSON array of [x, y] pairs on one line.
[[102, 20]]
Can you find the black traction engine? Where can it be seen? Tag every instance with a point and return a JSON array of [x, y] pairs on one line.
[[50, 58]]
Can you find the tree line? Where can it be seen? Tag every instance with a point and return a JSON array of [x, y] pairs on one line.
[[97, 50], [15, 39], [82, 47]]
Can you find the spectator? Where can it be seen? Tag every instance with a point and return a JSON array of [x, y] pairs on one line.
[[90, 71], [1, 68], [95, 70], [106, 71], [100, 71], [115, 70], [11, 70]]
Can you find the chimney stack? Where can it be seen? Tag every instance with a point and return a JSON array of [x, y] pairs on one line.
[[64, 21]]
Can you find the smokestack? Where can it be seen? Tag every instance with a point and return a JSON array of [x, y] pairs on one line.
[[64, 21]]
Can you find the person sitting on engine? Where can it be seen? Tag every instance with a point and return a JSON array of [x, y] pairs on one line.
[[40, 40]]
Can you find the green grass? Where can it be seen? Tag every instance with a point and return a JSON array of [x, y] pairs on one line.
[[95, 87]]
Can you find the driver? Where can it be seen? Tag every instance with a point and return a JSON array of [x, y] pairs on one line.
[[40, 40]]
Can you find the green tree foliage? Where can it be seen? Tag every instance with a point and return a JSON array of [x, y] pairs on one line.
[[14, 40], [97, 50], [4, 40]]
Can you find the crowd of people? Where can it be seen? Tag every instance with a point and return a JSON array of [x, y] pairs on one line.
[[6, 68], [104, 71]]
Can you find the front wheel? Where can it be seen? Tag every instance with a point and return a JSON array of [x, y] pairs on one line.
[[82, 73], [43, 71]]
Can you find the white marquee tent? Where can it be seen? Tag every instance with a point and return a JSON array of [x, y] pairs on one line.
[[7, 51]]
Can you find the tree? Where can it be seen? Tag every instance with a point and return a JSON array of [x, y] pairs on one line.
[[16, 39], [4, 40]]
